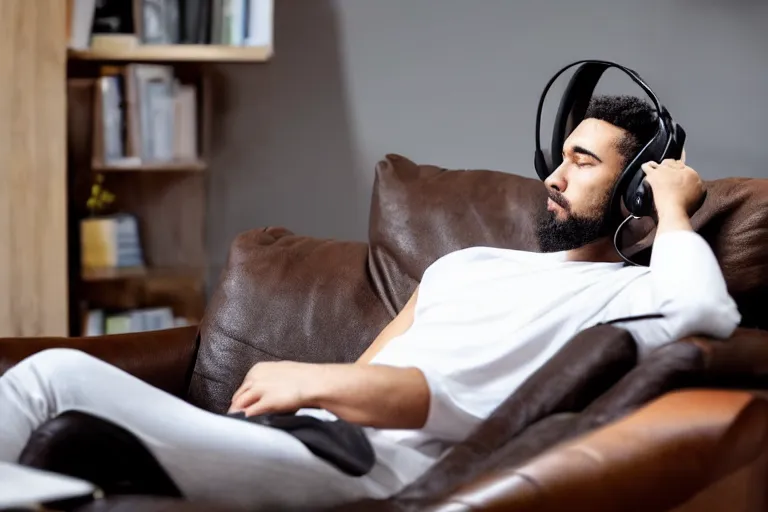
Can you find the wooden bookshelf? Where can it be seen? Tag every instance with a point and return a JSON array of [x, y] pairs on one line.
[[109, 133], [176, 53], [168, 200], [192, 166]]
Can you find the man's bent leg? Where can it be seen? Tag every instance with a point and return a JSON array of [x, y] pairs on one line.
[[209, 456]]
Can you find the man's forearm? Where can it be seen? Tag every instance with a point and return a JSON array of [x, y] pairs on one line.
[[688, 284], [371, 395], [672, 218]]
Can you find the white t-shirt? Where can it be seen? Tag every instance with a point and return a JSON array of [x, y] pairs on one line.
[[487, 318]]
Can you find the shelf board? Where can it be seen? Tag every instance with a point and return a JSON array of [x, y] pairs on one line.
[[177, 52], [178, 166], [138, 273]]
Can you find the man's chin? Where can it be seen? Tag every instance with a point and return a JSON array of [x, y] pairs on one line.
[[558, 231]]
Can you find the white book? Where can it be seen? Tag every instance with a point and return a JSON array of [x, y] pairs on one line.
[[81, 23], [137, 321], [162, 114], [237, 22], [94, 323], [260, 22], [156, 319], [156, 111], [112, 118]]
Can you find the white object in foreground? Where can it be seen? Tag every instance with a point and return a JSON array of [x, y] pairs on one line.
[[21, 486]]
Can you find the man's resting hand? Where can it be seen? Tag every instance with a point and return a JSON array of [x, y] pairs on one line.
[[371, 395], [274, 387]]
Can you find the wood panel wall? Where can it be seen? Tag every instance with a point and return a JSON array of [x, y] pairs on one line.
[[33, 252]]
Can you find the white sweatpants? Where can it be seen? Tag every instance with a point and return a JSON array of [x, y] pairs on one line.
[[209, 456]]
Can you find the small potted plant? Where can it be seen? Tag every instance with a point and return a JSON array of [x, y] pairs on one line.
[[101, 198]]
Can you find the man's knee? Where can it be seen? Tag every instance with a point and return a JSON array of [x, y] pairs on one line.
[[55, 361]]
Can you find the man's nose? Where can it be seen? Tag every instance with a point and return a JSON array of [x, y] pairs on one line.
[[556, 180]]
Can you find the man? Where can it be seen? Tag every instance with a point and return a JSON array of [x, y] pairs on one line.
[[482, 321]]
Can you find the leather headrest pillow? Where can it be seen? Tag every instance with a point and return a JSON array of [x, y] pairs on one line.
[[422, 212]]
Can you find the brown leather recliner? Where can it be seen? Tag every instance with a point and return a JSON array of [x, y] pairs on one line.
[[685, 430]]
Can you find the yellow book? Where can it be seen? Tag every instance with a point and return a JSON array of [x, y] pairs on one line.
[[98, 243]]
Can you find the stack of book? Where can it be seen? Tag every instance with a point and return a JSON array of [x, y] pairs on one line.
[[98, 322], [110, 242], [162, 22], [146, 115]]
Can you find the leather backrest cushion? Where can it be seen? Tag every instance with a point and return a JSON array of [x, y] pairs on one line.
[[422, 212], [283, 296]]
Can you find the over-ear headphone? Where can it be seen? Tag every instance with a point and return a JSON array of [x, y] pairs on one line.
[[631, 187]]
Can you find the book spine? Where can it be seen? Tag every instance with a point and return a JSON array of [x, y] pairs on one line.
[[217, 22], [112, 118], [226, 23], [236, 22], [260, 21]]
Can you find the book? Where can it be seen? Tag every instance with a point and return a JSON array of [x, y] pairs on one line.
[[217, 21], [195, 20], [80, 13], [227, 13], [132, 111], [259, 22], [237, 22], [185, 123], [94, 323], [153, 319], [155, 91], [118, 324], [110, 95], [160, 21]]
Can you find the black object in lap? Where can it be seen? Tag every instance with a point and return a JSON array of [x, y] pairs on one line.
[[338, 442], [93, 449]]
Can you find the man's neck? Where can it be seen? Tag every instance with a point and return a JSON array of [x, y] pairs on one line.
[[601, 251]]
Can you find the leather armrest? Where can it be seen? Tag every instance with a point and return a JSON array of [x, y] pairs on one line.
[[653, 459], [588, 365], [741, 360], [161, 358]]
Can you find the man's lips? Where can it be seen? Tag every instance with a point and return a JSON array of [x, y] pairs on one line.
[[553, 205], [553, 201]]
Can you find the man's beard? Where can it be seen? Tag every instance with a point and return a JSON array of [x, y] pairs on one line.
[[575, 231]]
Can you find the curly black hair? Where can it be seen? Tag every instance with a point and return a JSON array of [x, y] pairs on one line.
[[631, 113]]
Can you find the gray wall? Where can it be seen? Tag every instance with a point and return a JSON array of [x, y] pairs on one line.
[[455, 83]]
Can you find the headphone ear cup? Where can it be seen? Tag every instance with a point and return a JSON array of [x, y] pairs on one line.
[[638, 197]]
